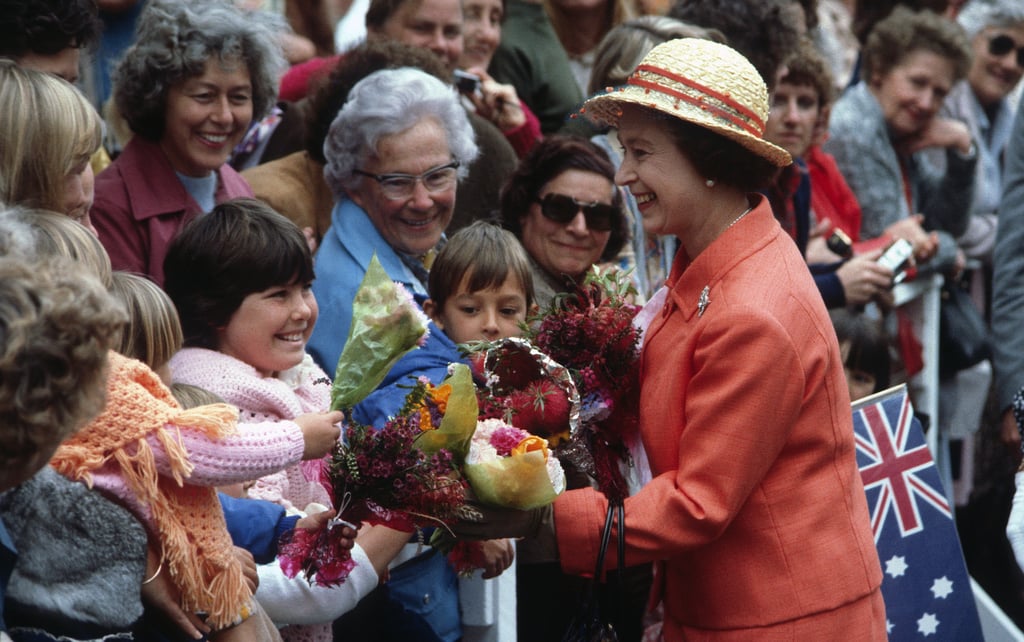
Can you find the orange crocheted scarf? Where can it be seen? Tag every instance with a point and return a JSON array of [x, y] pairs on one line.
[[197, 548]]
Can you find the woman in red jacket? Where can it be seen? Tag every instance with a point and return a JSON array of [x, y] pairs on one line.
[[196, 77], [756, 515]]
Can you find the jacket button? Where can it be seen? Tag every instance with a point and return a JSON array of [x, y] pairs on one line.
[[426, 598]]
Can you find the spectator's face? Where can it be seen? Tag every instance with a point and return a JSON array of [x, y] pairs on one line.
[[78, 193], [567, 248], [993, 75], [269, 330], [206, 117], [860, 383], [411, 224], [64, 63], [432, 24], [482, 315], [482, 29], [792, 118], [911, 93]]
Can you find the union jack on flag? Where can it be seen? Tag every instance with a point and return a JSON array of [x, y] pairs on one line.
[[925, 584]]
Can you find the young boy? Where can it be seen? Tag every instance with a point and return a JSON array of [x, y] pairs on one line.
[[480, 285]]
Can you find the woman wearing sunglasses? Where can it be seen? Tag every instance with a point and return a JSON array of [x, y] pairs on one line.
[[562, 204], [996, 32]]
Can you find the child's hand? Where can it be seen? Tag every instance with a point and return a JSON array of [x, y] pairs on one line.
[[320, 430], [498, 555], [248, 568]]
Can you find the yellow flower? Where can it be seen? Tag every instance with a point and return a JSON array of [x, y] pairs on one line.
[[440, 396], [531, 444]]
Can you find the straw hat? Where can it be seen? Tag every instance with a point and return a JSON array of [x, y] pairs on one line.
[[702, 82]]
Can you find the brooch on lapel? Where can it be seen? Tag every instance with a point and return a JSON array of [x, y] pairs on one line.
[[702, 303]]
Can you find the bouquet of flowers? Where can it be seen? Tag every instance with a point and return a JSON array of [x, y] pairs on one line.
[[386, 324], [591, 333], [508, 466], [524, 387], [404, 475]]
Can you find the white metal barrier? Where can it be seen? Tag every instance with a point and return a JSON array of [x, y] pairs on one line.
[[921, 298]]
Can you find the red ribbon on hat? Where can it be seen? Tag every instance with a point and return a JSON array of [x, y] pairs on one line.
[[699, 102]]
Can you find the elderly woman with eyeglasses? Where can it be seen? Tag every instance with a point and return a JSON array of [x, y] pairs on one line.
[[563, 205], [395, 154]]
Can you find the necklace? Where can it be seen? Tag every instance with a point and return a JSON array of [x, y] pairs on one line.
[[737, 219]]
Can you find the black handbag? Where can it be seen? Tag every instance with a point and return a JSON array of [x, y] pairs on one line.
[[963, 334], [588, 625]]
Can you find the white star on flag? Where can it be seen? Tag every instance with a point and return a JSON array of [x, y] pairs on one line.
[[927, 624], [896, 566], [942, 587]]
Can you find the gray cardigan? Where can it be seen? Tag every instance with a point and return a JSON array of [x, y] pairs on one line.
[[859, 140]]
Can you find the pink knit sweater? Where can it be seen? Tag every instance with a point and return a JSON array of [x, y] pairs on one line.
[[303, 389]]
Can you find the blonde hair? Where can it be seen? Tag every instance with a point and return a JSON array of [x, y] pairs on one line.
[[189, 396], [51, 234], [47, 127], [153, 333]]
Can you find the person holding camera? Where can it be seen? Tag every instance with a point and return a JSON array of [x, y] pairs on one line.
[[495, 101]]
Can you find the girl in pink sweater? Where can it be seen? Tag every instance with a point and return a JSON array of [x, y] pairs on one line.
[[240, 278]]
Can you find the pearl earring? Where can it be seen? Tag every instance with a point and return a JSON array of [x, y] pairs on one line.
[[709, 183]]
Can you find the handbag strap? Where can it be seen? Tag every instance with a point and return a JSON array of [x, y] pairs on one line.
[[606, 535]]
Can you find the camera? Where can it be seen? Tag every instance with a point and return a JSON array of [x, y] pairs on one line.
[[466, 82], [896, 257], [840, 244]]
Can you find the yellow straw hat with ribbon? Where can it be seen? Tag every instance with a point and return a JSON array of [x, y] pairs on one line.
[[702, 82]]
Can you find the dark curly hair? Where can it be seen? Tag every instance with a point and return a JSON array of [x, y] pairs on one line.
[[46, 27], [241, 247], [357, 63], [550, 158], [766, 32], [175, 40], [57, 324], [905, 31]]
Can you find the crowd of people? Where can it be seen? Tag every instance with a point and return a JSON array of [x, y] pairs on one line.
[[186, 185]]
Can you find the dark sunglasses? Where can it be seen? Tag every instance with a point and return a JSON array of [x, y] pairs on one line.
[[563, 209], [1002, 44]]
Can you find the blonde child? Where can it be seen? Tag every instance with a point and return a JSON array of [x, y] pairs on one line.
[[480, 285], [240, 279], [107, 596]]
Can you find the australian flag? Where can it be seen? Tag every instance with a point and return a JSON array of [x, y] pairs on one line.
[[925, 584]]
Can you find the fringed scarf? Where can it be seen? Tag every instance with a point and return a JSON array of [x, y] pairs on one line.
[[197, 548]]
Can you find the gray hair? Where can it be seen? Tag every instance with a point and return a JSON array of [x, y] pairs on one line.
[[389, 102], [979, 14], [173, 42]]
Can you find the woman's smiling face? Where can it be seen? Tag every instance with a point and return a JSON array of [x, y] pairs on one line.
[[667, 188], [911, 93], [206, 117], [567, 248], [411, 225]]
